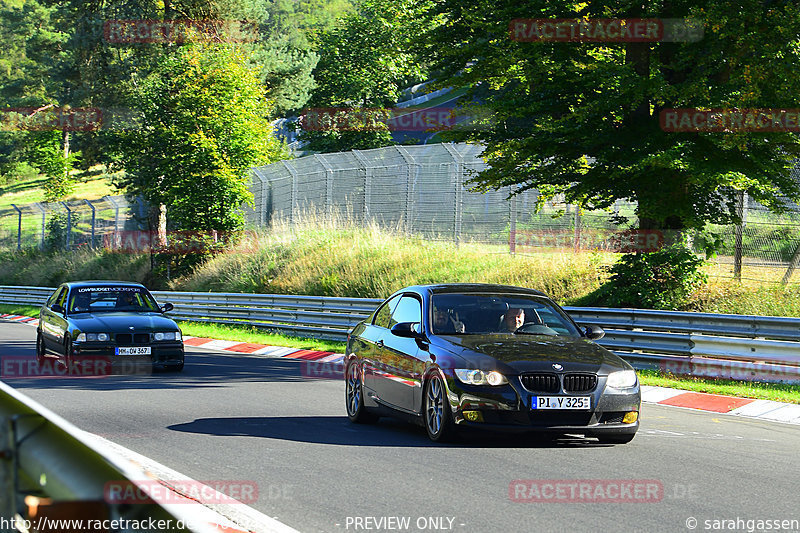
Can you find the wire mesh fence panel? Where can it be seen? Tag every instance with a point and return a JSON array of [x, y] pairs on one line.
[[70, 224], [425, 190]]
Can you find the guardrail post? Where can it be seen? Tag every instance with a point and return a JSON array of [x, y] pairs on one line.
[[8, 496], [69, 223], [19, 226], [94, 219]]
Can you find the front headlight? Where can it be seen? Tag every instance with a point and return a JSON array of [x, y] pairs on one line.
[[167, 336], [624, 379], [92, 337], [479, 377]]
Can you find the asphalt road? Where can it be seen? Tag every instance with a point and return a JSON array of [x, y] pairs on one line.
[[238, 417]]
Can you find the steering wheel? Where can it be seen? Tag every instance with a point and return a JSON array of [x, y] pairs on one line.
[[536, 329]]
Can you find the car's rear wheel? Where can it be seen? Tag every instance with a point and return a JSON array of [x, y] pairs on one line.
[[438, 417], [354, 397], [616, 439]]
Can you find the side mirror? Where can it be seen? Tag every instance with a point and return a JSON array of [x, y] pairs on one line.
[[594, 333], [167, 307], [58, 309], [406, 329]]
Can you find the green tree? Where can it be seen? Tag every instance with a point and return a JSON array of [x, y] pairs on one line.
[[582, 118], [365, 63], [204, 124]]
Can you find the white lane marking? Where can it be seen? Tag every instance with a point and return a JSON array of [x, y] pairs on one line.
[[239, 516]]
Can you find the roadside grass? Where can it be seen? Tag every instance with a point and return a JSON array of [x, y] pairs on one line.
[[257, 335], [23, 310], [338, 259], [93, 183], [779, 392]]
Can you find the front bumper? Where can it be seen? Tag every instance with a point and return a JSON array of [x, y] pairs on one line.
[[507, 408], [162, 354]]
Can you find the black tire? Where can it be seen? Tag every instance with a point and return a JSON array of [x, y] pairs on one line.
[[616, 439], [68, 356], [354, 397], [41, 352], [436, 411]]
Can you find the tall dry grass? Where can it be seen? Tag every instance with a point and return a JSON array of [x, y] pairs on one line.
[[332, 257]]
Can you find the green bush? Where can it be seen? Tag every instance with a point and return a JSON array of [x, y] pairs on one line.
[[658, 280]]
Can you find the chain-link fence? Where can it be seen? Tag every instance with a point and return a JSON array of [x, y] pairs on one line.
[[69, 225], [421, 189]]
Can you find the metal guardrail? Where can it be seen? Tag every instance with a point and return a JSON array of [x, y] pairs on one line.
[[738, 346], [45, 457]]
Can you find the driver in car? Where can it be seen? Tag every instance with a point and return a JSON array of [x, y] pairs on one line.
[[127, 299], [513, 319], [81, 303], [444, 321]]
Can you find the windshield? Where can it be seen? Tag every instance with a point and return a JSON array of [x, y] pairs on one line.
[[495, 313], [109, 299]]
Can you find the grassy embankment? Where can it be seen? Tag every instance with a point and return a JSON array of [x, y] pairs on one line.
[[324, 258]]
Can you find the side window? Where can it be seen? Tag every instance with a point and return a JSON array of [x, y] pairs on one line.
[[408, 310], [61, 299], [54, 297], [382, 316]]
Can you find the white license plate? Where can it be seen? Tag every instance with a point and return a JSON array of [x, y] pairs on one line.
[[561, 402], [133, 350]]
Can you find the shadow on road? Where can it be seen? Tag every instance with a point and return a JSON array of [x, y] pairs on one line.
[[337, 430], [203, 369]]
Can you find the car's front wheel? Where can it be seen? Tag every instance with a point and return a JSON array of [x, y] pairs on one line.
[[354, 399], [436, 410], [40, 349]]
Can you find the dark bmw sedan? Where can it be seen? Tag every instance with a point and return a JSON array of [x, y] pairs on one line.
[[117, 320], [487, 356]]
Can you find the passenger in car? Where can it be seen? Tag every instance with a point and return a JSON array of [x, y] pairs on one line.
[[445, 321]]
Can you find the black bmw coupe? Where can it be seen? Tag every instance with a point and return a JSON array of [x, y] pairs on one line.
[[488, 356], [107, 320]]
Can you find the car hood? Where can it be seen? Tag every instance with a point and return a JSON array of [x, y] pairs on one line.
[[118, 322], [527, 353]]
